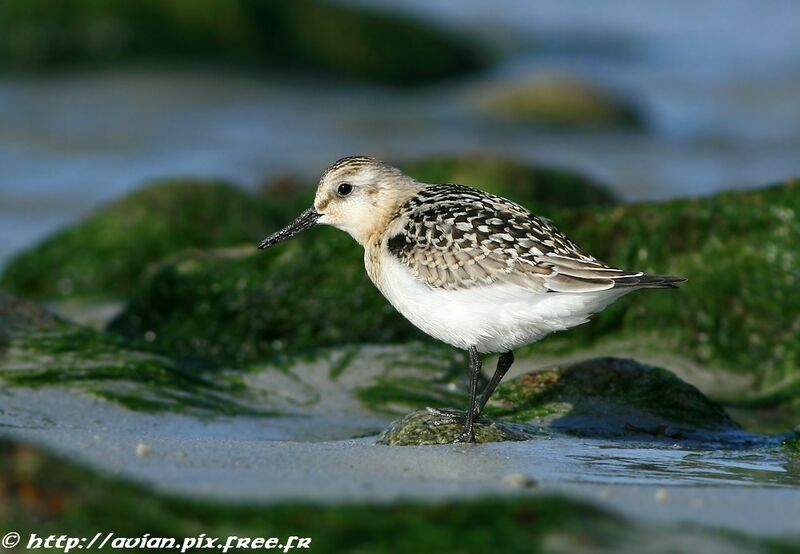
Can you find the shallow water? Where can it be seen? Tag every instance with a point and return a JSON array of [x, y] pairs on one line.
[[315, 458], [722, 108]]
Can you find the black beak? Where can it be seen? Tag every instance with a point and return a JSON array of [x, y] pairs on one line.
[[304, 221]]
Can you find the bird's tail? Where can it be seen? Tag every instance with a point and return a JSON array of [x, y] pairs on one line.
[[649, 281]]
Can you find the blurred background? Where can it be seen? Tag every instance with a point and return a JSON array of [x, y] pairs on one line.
[[567, 106], [654, 99]]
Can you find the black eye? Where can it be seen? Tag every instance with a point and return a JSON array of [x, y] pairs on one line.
[[344, 189]]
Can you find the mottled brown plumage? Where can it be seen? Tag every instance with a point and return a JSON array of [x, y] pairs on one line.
[[454, 237]]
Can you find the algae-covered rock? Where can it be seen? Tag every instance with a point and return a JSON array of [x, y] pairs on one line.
[[435, 426], [603, 397], [738, 310], [738, 250], [237, 309], [735, 314], [308, 35], [561, 103], [241, 308], [107, 253], [537, 188], [363, 44], [610, 396], [791, 445], [38, 349]]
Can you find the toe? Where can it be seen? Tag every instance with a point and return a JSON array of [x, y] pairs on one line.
[[465, 437]]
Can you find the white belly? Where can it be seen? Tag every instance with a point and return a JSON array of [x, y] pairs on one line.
[[493, 318]]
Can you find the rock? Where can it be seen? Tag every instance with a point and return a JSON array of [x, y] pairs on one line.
[[234, 306], [604, 397], [733, 316], [561, 103], [222, 307], [661, 495], [18, 315], [38, 349], [305, 35], [380, 47], [736, 315], [597, 398], [791, 445], [105, 255], [519, 481], [610, 397], [108, 252], [234, 310], [436, 426], [535, 187]]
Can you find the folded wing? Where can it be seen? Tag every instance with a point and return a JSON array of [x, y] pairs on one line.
[[458, 237]]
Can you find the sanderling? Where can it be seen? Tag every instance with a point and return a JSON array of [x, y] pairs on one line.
[[469, 268]]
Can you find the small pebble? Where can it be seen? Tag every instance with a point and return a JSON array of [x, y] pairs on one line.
[[143, 450], [519, 481], [661, 495]]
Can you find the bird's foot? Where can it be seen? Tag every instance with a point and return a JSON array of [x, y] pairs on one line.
[[448, 417], [466, 436]]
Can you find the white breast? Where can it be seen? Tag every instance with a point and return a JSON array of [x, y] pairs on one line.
[[494, 318]]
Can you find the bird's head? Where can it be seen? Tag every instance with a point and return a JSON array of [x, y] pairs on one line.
[[357, 194]]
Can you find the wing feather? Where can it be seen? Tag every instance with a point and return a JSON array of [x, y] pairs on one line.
[[458, 237]]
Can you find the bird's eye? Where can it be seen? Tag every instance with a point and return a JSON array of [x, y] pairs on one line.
[[344, 189]]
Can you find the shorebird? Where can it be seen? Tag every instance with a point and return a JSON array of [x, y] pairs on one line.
[[469, 268]]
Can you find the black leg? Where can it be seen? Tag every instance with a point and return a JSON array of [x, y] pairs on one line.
[[468, 434], [503, 365]]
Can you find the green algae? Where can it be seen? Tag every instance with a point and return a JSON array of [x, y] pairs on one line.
[[791, 446], [48, 495], [379, 47], [236, 310], [308, 293], [428, 375], [557, 102], [38, 349], [235, 307], [603, 397], [108, 252], [734, 314], [306, 35], [535, 187], [434, 426], [738, 311], [398, 394], [614, 395]]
